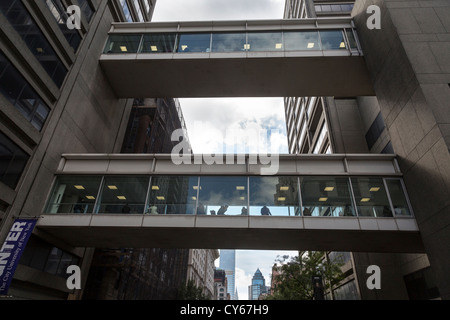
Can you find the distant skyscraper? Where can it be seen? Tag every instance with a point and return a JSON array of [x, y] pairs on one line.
[[257, 287], [228, 263]]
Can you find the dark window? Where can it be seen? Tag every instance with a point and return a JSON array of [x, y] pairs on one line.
[[21, 20], [12, 161], [388, 148], [58, 11], [421, 285], [19, 92], [42, 256], [375, 130], [86, 9]]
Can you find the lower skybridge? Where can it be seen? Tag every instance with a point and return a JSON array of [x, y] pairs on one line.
[[307, 202]]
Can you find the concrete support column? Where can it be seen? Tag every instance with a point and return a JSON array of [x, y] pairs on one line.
[[409, 64]]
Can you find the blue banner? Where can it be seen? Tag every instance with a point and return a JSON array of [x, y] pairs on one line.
[[12, 249]]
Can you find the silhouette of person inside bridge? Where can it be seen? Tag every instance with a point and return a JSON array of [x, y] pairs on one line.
[[265, 211], [222, 210]]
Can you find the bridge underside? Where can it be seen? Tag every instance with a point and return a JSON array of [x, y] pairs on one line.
[[234, 232], [236, 75]]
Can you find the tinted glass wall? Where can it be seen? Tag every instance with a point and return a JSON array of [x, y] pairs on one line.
[[257, 41], [12, 161], [318, 196], [24, 24], [19, 92]]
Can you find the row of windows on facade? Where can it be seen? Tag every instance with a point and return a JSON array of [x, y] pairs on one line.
[[13, 85], [17, 90], [139, 10], [232, 41], [230, 195], [25, 25]]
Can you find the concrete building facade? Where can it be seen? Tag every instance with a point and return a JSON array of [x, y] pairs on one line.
[[65, 101], [55, 98], [408, 65]]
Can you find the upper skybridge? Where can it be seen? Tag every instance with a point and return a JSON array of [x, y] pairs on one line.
[[257, 58]]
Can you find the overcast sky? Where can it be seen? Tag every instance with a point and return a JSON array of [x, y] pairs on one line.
[[210, 121]]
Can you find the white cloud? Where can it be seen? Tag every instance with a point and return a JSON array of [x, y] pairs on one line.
[[242, 280], [193, 10], [223, 125]]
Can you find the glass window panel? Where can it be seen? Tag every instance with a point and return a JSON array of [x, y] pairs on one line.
[[371, 198], [126, 11], [65, 261], [398, 197], [123, 43], [265, 41], [277, 196], [351, 39], [157, 43], [326, 196], [172, 195], [223, 195], [53, 260], [24, 24], [123, 194], [347, 7], [335, 7], [304, 40], [228, 42], [11, 83], [74, 194], [15, 88], [86, 9], [40, 256], [332, 40], [194, 42], [13, 161]]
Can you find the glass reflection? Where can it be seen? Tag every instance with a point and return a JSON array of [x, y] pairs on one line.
[[123, 43], [351, 39], [172, 195], [123, 194], [307, 40], [371, 198], [228, 42], [332, 40], [194, 42], [264, 41], [398, 198], [277, 196], [326, 196], [74, 194], [222, 196], [158, 43], [233, 41]]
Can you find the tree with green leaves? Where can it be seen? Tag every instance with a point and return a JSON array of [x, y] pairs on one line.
[[191, 292], [295, 279]]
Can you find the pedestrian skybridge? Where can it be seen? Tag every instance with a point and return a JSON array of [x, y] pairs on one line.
[[314, 202], [257, 58]]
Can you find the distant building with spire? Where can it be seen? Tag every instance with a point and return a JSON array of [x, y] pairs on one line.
[[258, 286]]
